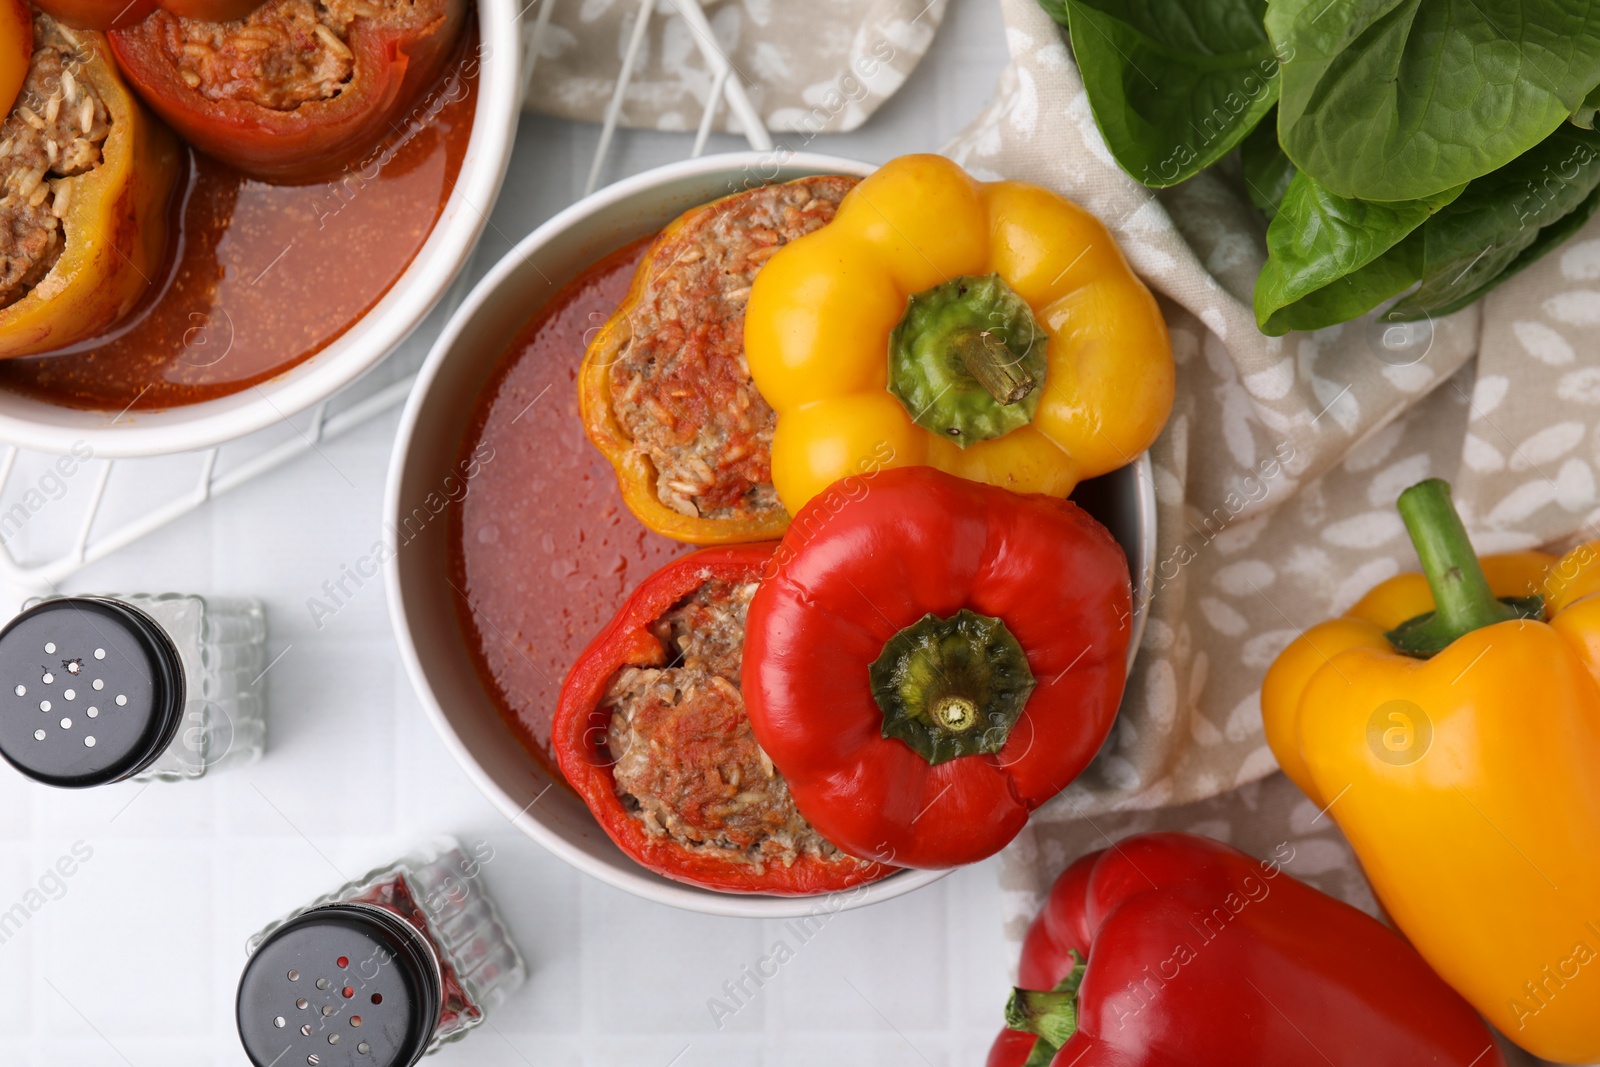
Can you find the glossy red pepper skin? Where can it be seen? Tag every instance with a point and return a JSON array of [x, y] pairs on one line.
[[579, 737], [392, 69], [1201, 956], [103, 15], [859, 565]]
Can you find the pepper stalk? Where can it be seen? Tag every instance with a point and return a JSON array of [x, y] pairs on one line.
[[967, 359], [1462, 599], [1051, 1015]]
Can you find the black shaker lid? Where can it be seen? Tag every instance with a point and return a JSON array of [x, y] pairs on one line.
[[91, 691], [346, 985]]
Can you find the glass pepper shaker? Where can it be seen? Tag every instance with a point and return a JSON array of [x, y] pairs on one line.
[[381, 971], [101, 689]]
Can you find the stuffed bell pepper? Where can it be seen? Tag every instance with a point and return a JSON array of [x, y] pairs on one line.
[[651, 731], [930, 659], [102, 15], [296, 89], [665, 391], [1170, 950], [1450, 723], [989, 329], [86, 175]]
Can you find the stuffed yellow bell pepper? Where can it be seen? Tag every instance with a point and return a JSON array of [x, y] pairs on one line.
[[989, 329], [1450, 724], [86, 175], [665, 391]]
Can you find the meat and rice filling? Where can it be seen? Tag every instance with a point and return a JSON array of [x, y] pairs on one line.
[[283, 54], [687, 763], [55, 131], [681, 387]]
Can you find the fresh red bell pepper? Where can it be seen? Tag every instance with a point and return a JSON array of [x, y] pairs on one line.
[[1171, 950], [934, 658], [582, 723], [103, 15], [396, 55]]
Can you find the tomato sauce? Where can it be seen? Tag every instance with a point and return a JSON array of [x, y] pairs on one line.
[[263, 277], [543, 550]]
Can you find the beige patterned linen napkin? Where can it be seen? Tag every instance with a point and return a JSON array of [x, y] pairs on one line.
[[808, 67], [1277, 476]]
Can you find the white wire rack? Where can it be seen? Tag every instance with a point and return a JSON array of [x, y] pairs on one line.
[[39, 551]]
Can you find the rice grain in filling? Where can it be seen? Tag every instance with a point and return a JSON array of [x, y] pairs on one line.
[[283, 54], [55, 131], [680, 385], [687, 764]]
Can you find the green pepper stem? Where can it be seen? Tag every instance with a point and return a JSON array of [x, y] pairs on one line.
[[955, 713], [968, 360], [1047, 1014], [994, 365], [951, 687], [1462, 599]]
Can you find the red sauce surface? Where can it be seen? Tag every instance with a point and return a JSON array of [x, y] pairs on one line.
[[543, 550], [263, 277]]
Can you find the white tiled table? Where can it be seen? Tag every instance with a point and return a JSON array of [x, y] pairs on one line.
[[134, 959]]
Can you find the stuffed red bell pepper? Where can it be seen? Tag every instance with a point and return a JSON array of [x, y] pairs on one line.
[[103, 15], [651, 731], [934, 658], [1171, 950], [298, 88]]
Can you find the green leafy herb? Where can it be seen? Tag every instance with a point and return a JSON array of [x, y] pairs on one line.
[[1584, 116], [1332, 258], [1420, 149], [1267, 171], [1174, 84], [1504, 221], [1398, 100], [1461, 249]]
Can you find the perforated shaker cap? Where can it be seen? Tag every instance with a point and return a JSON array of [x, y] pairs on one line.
[[91, 691], [347, 985]]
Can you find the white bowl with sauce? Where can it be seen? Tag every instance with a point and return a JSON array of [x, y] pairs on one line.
[[421, 591], [34, 423]]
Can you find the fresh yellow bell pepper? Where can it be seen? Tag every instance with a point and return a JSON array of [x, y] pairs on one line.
[[1450, 724], [115, 223], [989, 329]]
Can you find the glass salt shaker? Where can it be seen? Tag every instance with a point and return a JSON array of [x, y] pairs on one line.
[[101, 689], [381, 971]]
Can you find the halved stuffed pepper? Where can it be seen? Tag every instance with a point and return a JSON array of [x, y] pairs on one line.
[[86, 175], [297, 89], [651, 732], [102, 15], [665, 391]]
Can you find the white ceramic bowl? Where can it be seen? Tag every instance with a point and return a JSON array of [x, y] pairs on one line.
[[431, 432], [35, 424]]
